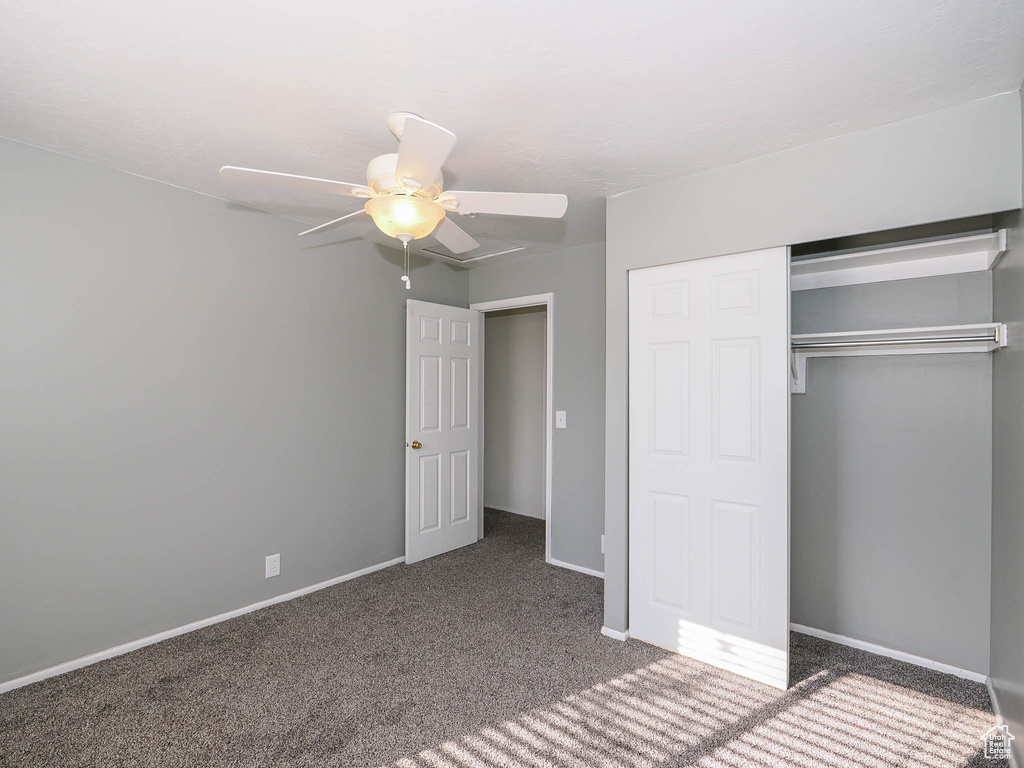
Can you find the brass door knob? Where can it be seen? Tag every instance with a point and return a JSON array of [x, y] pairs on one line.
[[416, 445]]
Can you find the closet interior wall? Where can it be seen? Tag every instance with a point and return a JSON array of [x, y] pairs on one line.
[[891, 475]]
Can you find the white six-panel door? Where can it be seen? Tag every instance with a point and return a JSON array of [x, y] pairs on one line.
[[442, 428], [709, 461]]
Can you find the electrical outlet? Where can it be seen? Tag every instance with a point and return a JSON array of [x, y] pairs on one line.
[[602, 543], [273, 565]]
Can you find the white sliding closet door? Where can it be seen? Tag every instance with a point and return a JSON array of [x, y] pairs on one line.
[[709, 461]]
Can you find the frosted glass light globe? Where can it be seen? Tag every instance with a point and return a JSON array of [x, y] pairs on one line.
[[397, 215]]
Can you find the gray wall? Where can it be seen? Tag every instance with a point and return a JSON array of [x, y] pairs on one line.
[[1008, 492], [891, 476], [185, 388], [514, 393], [958, 162], [576, 278]]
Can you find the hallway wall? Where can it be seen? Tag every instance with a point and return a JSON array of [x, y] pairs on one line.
[[514, 394], [576, 278]]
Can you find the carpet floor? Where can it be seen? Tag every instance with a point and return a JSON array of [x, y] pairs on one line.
[[480, 658]]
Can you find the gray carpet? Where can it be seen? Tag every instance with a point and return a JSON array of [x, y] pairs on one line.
[[483, 657]]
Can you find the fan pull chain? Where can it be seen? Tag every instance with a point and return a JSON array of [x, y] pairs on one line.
[[405, 277]]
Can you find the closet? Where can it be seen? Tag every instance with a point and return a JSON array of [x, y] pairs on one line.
[[854, 386]]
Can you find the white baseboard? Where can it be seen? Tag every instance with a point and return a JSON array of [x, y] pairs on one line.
[[614, 634], [881, 650], [580, 568], [999, 717], [117, 650]]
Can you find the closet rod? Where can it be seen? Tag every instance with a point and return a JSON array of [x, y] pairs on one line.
[[994, 338]]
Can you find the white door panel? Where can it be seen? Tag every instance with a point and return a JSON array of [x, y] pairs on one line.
[[709, 461], [442, 417]]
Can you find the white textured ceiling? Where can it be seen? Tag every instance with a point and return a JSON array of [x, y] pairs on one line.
[[585, 98]]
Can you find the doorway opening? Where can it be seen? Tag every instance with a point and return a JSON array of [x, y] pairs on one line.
[[516, 396]]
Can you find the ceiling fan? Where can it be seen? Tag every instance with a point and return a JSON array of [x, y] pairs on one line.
[[404, 191]]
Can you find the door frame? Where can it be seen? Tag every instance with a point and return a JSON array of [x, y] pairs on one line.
[[546, 300]]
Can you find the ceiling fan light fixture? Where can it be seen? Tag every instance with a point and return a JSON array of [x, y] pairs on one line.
[[397, 215], [407, 199]]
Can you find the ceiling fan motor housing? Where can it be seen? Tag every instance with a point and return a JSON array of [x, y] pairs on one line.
[[380, 177]]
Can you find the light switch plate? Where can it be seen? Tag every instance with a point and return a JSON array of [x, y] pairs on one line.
[[559, 419]]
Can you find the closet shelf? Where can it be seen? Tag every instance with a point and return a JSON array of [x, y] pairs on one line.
[[974, 253], [940, 339]]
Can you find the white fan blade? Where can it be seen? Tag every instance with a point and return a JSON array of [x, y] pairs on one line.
[[332, 224], [509, 203], [453, 237], [289, 181], [422, 151]]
